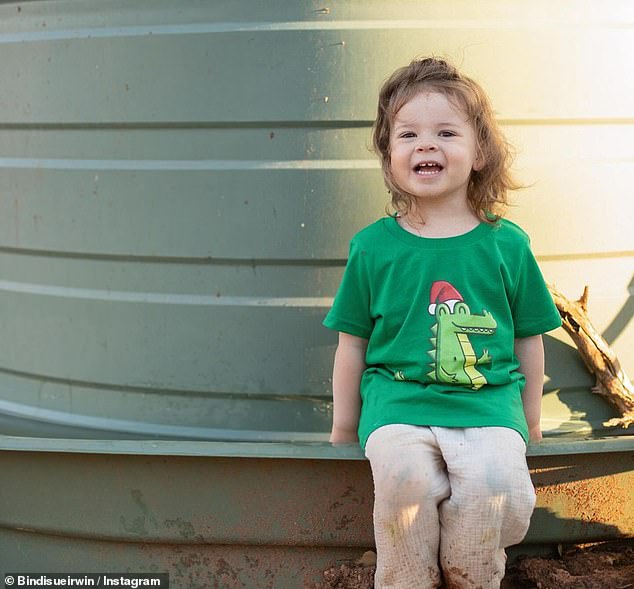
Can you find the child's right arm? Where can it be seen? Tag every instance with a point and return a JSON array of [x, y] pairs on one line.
[[346, 378]]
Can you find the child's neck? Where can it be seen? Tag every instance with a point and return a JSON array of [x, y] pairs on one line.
[[438, 222]]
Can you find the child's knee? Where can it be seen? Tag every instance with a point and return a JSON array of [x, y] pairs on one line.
[[509, 484], [404, 489], [515, 492], [506, 499], [511, 499]]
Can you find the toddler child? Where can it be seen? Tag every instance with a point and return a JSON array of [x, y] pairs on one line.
[[440, 363]]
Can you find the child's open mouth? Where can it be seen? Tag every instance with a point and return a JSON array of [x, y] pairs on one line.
[[427, 168]]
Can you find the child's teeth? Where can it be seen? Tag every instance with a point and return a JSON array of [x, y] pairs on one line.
[[422, 168]]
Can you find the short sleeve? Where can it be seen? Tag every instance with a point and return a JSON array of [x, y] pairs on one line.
[[350, 310], [532, 306]]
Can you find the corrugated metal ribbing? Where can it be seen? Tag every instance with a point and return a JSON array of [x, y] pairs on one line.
[[178, 183]]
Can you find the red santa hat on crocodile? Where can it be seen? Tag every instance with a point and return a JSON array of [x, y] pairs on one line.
[[443, 292]]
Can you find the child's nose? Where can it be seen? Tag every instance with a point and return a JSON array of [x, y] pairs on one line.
[[426, 146]]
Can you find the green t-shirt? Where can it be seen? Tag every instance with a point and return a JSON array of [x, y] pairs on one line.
[[441, 316]]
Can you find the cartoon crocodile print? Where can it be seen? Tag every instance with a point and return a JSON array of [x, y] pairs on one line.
[[454, 358]]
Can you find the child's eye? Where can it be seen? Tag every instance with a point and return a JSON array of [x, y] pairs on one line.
[[447, 134], [407, 135]]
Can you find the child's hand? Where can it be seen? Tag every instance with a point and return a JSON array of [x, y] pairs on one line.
[[343, 437], [535, 433]]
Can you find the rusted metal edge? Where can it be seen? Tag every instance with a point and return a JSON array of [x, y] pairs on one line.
[[290, 449]]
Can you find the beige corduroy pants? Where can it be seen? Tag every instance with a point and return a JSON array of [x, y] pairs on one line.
[[448, 501]]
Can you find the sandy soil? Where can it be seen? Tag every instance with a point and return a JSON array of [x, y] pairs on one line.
[[608, 565]]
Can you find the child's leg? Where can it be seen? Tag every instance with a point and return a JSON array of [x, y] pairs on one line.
[[492, 499], [410, 480]]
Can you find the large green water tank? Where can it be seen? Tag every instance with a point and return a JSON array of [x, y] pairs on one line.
[[179, 181]]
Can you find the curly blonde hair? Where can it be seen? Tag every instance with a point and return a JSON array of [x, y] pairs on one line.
[[488, 186]]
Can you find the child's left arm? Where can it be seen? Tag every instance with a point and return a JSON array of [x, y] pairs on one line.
[[530, 353]]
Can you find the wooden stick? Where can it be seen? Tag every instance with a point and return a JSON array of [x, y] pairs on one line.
[[599, 358]]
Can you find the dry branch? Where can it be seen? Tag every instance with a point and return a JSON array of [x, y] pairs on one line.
[[599, 358]]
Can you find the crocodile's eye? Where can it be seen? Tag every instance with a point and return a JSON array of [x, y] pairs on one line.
[[442, 309], [462, 309]]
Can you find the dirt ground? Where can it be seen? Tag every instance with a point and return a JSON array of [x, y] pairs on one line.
[[608, 565]]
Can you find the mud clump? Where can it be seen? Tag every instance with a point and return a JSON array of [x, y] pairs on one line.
[[348, 576], [357, 574], [607, 565]]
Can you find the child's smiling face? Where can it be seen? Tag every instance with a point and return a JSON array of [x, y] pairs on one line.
[[433, 148]]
